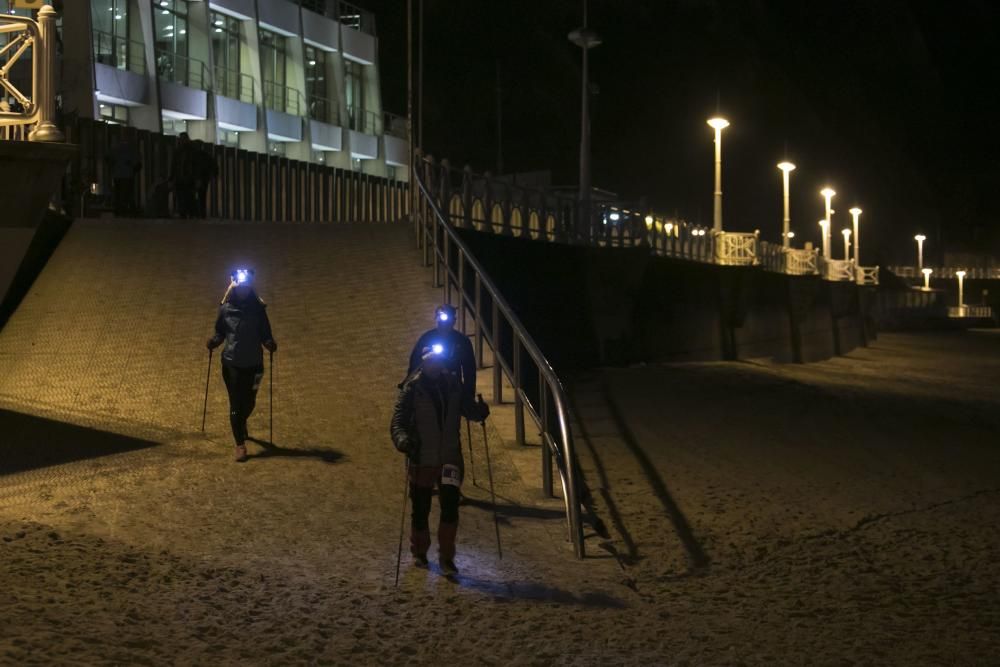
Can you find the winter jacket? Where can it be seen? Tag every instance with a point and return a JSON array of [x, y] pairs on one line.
[[245, 328], [460, 360], [425, 423]]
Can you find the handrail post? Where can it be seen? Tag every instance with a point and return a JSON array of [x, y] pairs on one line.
[[461, 291], [447, 270], [467, 197], [497, 368], [518, 399], [479, 320], [543, 403], [44, 72]]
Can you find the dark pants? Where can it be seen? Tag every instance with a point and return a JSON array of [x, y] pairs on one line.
[[202, 203], [422, 482], [124, 196], [242, 385], [185, 200]]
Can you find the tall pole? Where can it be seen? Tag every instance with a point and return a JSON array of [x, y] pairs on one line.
[[919, 238], [718, 124], [961, 291], [855, 214], [409, 103], [828, 194], [586, 39], [847, 243], [786, 169], [420, 74]]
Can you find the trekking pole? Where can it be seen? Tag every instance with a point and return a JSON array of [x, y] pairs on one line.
[[271, 400], [208, 375], [493, 495], [402, 520], [472, 462]]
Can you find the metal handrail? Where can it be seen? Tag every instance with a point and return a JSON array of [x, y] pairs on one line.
[[323, 110], [235, 84], [352, 16], [169, 66], [126, 54], [363, 120], [291, 100], [37, 111], [549, 384]]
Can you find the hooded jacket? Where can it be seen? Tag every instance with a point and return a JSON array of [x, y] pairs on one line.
[[425, 423], [245, 328]]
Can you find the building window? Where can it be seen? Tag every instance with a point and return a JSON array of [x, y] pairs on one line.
[[356, 164], [276, 148], [114, 114], [319, 157], [273, 56], [390, 172], [110, 24], [226, 43], [171, 25], [229, 138], [320, 106], [173, 127], [354, 94]]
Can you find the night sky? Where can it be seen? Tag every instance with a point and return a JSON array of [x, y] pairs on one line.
[[891, 102]]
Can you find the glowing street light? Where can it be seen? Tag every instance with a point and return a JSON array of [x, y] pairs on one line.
[[718, 124], [824, 228], [920, 238], [927, 277], [961, 294], [847, 243], [856, 213], [786, 168], [828, 194]]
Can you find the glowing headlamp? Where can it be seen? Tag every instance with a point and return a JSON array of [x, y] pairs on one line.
[[442, 316], [242, 276]]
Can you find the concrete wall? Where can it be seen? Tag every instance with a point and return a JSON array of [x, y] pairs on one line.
[[590, 306]]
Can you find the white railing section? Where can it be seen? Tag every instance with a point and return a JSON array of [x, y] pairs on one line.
[[735, 248], [34, 117], [838, 270], [977, 312], [867, 275]]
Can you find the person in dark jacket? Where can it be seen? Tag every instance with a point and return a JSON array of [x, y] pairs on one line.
[[206, 170], [243, 325], [183, 175], [425, 427], [461, 359]]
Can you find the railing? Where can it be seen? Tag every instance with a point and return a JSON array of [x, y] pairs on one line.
[[352, 16], [175, 68], [977, 273], [735, 248], [324, 110], [37, 111], [501, 329], [282, 98], [837, 270], [118, 52], [362, 120], [248, 186], [394, 125], [867, 275], [235, 85], [978, 312]]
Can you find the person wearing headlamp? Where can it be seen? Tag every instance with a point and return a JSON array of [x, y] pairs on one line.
[[243, 326], [460, 359], [425, 427]]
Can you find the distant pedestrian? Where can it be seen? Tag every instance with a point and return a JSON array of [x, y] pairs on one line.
[[243, 325], [425, 427], [125, 163], [183, 176], [460, 360], [206, 170]]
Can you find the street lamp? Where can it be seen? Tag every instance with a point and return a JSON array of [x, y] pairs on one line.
[[920, 238], [847, 243], [786, 168], [961, 280], [856, 213], [927, 277], [828, 194], [718, 124], [823, 226], [586, 39]]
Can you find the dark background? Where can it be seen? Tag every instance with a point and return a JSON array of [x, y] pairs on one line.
[[892, 102]]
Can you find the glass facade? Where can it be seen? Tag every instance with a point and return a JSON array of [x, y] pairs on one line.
[[317, 94], [226, 46], [354, 94], [273, 69], [110, 21], [171, 38]]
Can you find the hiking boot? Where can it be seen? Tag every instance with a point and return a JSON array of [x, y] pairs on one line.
[[241, 453], [420, 560], [448, 567]]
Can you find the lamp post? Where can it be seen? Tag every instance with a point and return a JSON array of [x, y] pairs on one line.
[[920, 238], [847, 243], [824, 226], [961, 294], [718, 124], [828, 194], [786, 168], [855, 214], [586, 39], [927, 277]]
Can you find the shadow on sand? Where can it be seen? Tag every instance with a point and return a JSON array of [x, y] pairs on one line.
[[271, 449], [28, 442], [509, 591]]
